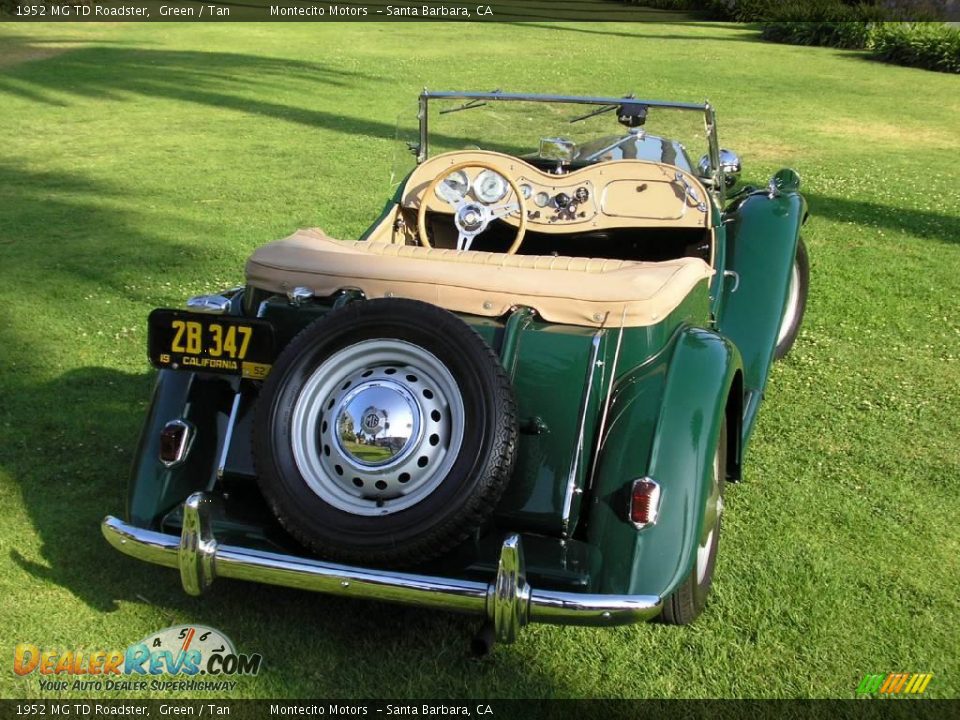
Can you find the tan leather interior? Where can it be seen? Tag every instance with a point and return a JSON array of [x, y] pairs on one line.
[[574, 291]]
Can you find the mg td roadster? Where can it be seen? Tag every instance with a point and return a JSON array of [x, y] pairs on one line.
[[519, 395]]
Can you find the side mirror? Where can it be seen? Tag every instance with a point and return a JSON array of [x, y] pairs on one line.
[[729, 162]]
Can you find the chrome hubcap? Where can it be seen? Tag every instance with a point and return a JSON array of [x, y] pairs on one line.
[[377, 427], [377, 423]]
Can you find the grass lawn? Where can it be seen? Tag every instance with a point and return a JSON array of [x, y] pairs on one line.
[[367, 453], [143, 163]]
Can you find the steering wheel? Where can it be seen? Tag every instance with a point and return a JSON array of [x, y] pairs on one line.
[[472, 216]]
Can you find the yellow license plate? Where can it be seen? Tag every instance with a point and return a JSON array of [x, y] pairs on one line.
[[181, 340]]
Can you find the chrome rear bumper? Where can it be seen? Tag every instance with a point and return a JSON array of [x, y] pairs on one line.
[[509, 602]]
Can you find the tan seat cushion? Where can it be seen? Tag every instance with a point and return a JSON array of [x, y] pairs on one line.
[[574, 291]]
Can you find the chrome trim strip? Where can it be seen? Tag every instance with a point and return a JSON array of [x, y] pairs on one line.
[[578, 452], [606, 403], [713, 145], [422, 117], [227, 438], [508, 601]]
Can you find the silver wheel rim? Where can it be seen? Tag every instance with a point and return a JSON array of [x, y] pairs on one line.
[[711, 521], [346, 457], [793, 304]]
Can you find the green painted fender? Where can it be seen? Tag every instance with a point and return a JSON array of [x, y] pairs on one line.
[[154, 489], [665, 422], [761, 246]]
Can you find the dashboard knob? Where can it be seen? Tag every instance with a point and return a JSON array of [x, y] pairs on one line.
[[562, 200]]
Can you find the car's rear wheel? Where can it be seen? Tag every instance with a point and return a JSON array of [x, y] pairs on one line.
[[796, 302], [385, 433], [686, 603]]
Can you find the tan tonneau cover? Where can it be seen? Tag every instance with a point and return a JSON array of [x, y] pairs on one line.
[[574, 291]]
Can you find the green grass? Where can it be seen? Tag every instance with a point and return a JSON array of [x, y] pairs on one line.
[[368, 453], [141, 164]]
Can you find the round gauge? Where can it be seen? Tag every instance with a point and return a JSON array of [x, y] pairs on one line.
[[582, 194], [541, 199], [490, 186], [190, 637], [454, 187], [526, 190]]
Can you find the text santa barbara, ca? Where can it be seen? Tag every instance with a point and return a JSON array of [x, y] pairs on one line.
[[388, 11]]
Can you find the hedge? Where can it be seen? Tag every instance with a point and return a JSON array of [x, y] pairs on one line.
[[933, 46], [855, 24]]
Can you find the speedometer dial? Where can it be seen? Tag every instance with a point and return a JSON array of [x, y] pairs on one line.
[[454, 187], [490, 186]]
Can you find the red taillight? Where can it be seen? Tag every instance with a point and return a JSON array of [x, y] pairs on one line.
[[644, 502], [174, 442]]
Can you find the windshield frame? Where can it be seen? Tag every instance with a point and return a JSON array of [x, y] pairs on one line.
[[715, 182]]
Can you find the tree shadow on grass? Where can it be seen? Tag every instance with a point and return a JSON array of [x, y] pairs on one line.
[[920, 223], [63, 230], [68, 443], [213, 79], [16, 49], [105, 71], [745, 36]]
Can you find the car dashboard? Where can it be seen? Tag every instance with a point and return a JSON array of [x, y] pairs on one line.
[[627, 209]]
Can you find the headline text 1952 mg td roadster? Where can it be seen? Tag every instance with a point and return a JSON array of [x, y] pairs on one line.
[[518, 395]]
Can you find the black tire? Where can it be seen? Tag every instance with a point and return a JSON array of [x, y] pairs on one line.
[[686, 603], [787, 335], [465, 496]]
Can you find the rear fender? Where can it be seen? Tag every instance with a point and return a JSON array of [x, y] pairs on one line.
[[665, 422], [155, 489]]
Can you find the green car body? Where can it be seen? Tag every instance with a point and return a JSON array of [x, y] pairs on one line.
[[597, 408]]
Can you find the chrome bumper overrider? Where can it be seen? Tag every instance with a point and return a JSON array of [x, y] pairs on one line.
[[509, 602]]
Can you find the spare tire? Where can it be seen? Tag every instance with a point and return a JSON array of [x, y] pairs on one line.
[[385, 433]]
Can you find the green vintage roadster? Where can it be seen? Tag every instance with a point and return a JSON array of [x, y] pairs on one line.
[[519, 395]]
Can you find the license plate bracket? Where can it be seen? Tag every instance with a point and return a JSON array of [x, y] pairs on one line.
[[221, 344]]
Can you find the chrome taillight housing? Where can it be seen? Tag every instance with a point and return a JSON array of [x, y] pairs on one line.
[[175, 440], [644, 502]]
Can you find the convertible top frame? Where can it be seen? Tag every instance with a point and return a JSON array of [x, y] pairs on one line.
[[716, 184]]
